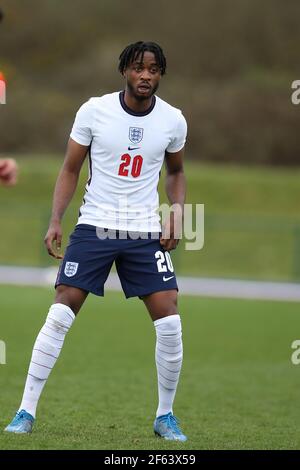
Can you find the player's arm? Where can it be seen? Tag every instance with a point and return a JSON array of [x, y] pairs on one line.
[[176, 190], [64, 189]]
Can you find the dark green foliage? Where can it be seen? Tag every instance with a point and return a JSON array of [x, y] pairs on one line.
[[230, 69]]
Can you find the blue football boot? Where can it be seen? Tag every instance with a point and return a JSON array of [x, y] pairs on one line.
[[166, 426], [21, 424]]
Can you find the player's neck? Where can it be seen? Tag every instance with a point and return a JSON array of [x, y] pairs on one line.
[[135, 105]]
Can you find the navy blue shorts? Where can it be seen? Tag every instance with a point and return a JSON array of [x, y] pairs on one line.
[[142, 264]]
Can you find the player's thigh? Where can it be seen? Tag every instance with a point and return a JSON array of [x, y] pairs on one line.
[[73, 297], [161, 304], [144, 268], [86, 263]]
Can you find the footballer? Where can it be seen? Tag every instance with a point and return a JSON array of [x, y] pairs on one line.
[[127, 136]]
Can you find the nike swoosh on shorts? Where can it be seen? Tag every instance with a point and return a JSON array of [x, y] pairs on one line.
[[167, 278]]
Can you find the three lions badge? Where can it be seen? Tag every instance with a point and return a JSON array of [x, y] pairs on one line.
[[71, 268]]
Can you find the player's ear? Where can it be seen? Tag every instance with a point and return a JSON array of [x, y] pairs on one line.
[[124, 73]]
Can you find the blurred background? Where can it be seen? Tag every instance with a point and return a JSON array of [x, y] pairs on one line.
[[230, 69]]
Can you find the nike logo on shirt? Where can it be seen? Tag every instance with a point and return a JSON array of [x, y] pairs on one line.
[[167, 278], [133, 148]]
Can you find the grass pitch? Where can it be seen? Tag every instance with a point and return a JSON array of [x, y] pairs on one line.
[[238, 389]]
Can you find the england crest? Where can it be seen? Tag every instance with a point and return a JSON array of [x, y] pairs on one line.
[[70, 268], [136, 134]]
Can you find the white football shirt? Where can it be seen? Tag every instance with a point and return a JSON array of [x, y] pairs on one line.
[[127, 151]]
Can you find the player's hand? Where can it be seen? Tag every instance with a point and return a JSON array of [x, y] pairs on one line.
[[171, 232], [54, 237], [8, 171]]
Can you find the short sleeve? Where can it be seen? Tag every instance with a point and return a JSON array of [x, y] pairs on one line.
[[179, 137], [82, 127]]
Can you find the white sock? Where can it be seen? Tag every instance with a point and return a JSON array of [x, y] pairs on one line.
[[45, 353], [168, 357]]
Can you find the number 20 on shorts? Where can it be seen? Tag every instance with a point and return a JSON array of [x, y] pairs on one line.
[[164, 262]]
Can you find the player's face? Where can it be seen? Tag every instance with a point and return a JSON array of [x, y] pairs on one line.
[[142, 76]]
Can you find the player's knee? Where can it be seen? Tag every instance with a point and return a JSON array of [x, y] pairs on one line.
[[168, 330], [60, 318], [169, 307], [66, 295], [172, 324], [168, 311]]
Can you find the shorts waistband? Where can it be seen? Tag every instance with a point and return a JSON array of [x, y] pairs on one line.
[[111, 233]]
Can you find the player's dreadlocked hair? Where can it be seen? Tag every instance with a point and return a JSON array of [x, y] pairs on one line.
[[132, 51]]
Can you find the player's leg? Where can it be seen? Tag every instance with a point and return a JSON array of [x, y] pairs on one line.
[[146, 270], [73, 297], [161, 304], [84, 269], [47, 347], [162, 307]]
